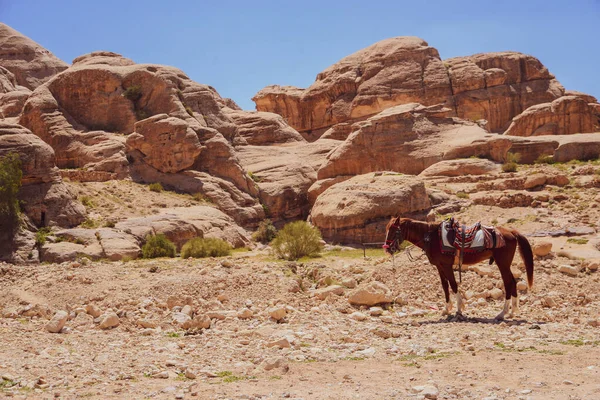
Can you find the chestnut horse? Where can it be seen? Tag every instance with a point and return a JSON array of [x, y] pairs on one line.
[[426, 236]]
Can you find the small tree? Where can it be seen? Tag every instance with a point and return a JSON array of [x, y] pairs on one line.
[[10, 184], [296, 240], [265, 232], [158, 246], [512, 159], [205, 247]]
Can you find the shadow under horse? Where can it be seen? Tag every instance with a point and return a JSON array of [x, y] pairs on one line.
[[426, 236]]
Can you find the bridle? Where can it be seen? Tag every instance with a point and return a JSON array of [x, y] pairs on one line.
[[393, 238]]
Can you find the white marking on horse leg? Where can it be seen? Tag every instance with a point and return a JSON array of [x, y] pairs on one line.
[[504, 310], [448, 308], [459, 303], [515, 306]]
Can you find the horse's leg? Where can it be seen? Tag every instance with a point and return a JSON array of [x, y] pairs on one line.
[[510, 288], [444, 280], [449, 274]]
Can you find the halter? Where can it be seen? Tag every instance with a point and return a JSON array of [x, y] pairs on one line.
[[391, 245]]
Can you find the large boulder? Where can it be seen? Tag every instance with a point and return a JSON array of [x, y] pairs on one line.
[[264, 129], [358, 209], [460, 167], [168, 144], [45, 198], [408, 139], [30, 63], [560, 148], [394, 71], [564, 116], [183, 223], [284, 174]]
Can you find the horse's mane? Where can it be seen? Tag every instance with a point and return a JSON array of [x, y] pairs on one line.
[[431, 226]]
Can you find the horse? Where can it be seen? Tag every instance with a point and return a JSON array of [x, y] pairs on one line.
[[426, 236]]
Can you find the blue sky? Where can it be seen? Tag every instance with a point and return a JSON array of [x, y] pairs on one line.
[[239, 47]]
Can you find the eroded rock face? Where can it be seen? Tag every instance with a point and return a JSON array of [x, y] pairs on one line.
[[46, 200], [30, 63], [469, 166], [408, 139], [284, 174], [494, 87], [12, 96], [181, 224], [498, 86], [168, 143], [394, 71], [564, 116], [358, 209], [264, 129]]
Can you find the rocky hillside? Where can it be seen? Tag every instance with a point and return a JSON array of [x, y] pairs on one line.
[[367, 140]]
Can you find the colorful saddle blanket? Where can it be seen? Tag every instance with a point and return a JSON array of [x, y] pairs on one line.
[[476, 237]]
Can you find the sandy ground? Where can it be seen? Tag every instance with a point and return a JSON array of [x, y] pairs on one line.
[[322, 348]]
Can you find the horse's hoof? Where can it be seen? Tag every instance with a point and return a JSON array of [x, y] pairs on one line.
[[499, 317], [458, 317]]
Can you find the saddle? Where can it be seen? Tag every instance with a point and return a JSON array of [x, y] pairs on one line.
[[469, 239]]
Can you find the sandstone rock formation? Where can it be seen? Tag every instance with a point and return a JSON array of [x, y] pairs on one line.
[[394, 71], [263, 129], [85, 113], [46, 200], [30, 63], [168, 144], [358, 209], [498, 86], [469, 166], [408, 139], [564, 116], [283, 175], [560, 148], [12, 96], [491, 86], [182, 224], [128, 236]]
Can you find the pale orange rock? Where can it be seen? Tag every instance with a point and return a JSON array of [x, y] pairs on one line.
[[358, 209], [30, 63], [47, 200], [563, 116], [390, 72], [408, 139], [168, 143], [460, 167], [498, 86]]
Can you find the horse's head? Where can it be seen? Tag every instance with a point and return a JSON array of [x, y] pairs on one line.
[[393, 236]]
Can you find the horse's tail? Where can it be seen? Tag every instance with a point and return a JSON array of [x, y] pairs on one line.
[[526, 255]]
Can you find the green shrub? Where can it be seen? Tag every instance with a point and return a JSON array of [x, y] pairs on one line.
[[10, 184], [510, 165], [87, 201], [205, 247], [544, 159], [462, 195], [133, 93], [296, 240], [90, 223], [155, 187], [254, 177], [141, 114], [265, 232], [158, 246], [41, 235], [189, 110]]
